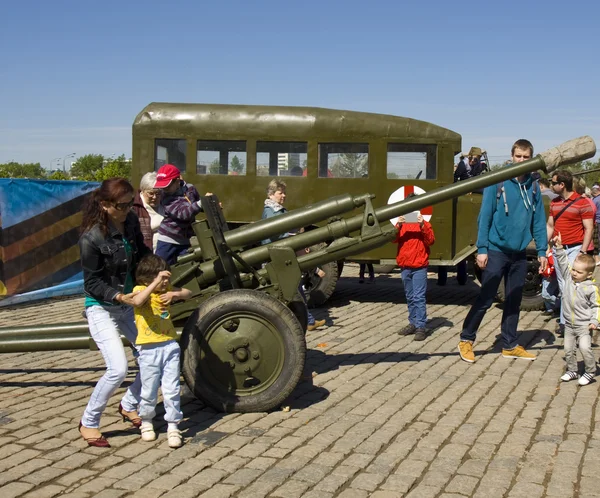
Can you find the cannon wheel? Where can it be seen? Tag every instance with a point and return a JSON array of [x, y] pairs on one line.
[[319, 290], [243, 351]]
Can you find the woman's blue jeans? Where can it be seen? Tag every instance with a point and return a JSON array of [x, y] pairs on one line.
[[106, 325]]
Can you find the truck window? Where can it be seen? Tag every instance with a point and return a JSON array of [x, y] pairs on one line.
[[343, 160], [170, 151], [220, 157], [411, 161], [281, 158]]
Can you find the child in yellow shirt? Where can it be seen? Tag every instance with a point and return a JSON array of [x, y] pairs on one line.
[[159, 351]]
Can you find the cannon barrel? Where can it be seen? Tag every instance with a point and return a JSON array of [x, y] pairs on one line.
[[45, 338], [267, 228], [308, 215], [585, 171], [55, 337], [569, 152]]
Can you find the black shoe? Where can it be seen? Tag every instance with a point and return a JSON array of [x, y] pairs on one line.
[[420, 334], [408, 330]]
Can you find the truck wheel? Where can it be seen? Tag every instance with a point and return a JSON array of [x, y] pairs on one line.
[[319, 290], [242, 351], [532, 290]]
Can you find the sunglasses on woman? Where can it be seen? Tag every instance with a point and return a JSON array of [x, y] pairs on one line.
[[123, 206]]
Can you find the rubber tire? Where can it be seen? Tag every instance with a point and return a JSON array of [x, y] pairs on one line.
[[323, 288], [268, 308]]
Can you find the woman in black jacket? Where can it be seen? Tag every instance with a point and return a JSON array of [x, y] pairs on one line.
[[111, 244]]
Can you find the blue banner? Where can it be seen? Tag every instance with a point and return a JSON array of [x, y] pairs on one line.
[[39, 230]]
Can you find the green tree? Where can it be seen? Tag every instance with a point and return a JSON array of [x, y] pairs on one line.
[[237, 165], [581, 168], [116, 167], [88, 167], [214, 167], [19, 170], [59, 175], [350, 165]]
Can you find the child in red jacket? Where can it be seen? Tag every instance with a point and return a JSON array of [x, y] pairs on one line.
[[413, 241]]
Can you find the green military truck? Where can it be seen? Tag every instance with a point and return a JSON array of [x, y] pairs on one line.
[[235, 150]]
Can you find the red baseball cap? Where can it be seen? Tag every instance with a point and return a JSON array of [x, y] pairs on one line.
[[165, 175]]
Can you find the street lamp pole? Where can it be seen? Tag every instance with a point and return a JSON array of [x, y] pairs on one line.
[[72, 154], [53, 160]]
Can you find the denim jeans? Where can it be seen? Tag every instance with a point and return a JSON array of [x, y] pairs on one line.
[[513, 268], [415, 287], [572, 253], [311, 318], [159, 365], [106, 325], [550, 293]]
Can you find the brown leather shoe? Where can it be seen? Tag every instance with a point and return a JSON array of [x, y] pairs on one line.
[[98, 442], [132, 417], [316, 325]]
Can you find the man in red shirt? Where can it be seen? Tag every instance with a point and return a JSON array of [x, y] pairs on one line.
[[572, 216]]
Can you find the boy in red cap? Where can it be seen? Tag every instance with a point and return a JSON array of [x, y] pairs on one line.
[[181, 203]]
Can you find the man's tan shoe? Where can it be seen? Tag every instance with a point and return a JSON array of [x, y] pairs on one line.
[[465, 348], [519, 353]]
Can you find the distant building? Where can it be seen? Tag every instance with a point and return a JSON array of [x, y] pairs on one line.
[[287, 160]]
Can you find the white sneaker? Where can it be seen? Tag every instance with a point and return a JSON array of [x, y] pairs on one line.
[[147, 430], [585, 379], [174, 438], [567, 376]]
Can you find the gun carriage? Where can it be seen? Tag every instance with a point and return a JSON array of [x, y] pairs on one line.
[[243, 342]]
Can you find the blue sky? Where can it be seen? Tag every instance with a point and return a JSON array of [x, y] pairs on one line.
[[75, 74]]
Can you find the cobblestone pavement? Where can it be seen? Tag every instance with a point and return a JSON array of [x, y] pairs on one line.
[[383, 416]]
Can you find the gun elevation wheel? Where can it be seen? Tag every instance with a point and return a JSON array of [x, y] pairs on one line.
[[243, 351]]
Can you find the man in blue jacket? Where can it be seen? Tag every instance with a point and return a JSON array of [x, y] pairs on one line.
[[512, 214]]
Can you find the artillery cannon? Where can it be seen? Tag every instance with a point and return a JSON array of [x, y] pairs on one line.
[[243, 341]]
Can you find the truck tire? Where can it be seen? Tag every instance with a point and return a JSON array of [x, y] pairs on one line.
[[319, 290]]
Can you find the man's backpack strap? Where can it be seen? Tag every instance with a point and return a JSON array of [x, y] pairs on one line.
[[500, 192]]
